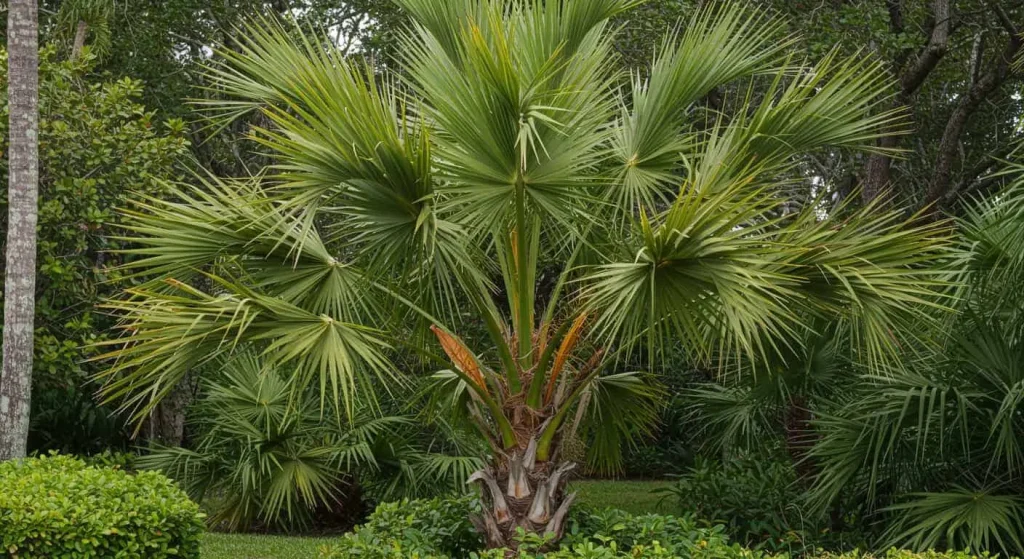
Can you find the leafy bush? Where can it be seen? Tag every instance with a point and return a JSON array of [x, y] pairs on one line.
[[440, 528], [423, 529], [57, 506], [648, 535], [756, 499]]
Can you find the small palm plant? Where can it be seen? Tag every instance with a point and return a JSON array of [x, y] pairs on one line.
[[262, 458], [428, 199]]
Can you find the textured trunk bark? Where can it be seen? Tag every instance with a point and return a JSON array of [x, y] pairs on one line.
[[167, 423], [22, 194], [800, 438], [519, 492], [80, 33]]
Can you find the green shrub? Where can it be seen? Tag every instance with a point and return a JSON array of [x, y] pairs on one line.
[[57, 506], [440, 529], [681, 535], [422, 529], [756, 498], [902, 554]]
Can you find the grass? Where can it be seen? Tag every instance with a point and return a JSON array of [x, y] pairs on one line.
[[250, 546], [637, 497]]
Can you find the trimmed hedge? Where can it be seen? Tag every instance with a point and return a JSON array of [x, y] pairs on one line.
[[57, 506], [440, 529]]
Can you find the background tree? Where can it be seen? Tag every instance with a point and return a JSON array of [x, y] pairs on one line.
[[98, 145], [22, 217]]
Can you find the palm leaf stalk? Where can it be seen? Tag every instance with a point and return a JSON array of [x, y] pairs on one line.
[[429, 200]]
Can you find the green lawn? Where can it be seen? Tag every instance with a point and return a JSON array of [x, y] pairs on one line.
[[637, 497], [246, 546]]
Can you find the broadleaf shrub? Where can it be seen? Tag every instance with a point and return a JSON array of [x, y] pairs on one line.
[[757, 500], [57, 506], [440, 529], [421, 529]]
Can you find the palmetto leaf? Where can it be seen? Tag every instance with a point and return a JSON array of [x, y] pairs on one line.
[[721, 45], [521, 106], [175, 330], [963, 518], [615, 410]]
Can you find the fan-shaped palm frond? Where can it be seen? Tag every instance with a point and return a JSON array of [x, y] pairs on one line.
[[960, 519]]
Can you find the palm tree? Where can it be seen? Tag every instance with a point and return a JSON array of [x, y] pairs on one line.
[[430, 198], [22, 216]]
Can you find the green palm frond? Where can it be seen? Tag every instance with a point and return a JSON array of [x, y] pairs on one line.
[[977, 519], [177, 329], [95, 14], [504, 108], [720, 45], [617, 410]]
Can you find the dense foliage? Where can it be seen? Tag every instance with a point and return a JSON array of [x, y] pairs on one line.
[[634, 229], [97, 147], [440, 529], [397, 205], [437, 529], [756, 498], [935, 446], [57, 506]]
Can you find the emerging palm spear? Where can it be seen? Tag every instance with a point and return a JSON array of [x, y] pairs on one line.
[[511, 139]]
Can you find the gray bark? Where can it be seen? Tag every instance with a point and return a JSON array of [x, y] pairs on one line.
[[520, 492], [23, 193], [80, 32], [877, 171], [167, 422]]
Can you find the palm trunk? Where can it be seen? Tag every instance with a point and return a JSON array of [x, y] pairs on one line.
[[520, 492], [800, 437], [20, 271]]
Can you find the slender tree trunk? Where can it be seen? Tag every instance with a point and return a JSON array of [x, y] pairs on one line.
[[966, 107], [20, 271], [167, 423], [80, 32]]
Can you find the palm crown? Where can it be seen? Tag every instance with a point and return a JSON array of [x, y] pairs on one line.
[[508, 139]]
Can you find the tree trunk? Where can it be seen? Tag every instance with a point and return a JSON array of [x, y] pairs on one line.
[[520, 492], [800, 437], [22, 193], [877, 171], [80, 33], [167, 422], [966, 107]]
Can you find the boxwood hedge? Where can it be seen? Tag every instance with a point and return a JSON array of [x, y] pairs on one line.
[[57, 506]]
